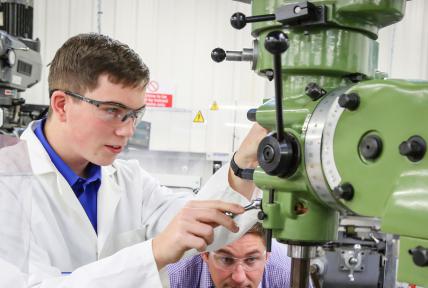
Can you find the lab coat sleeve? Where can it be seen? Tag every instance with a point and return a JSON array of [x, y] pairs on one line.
[[161, 204], [11, 276], [131, 267]]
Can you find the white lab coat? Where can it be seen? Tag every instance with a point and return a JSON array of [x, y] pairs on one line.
[[132, 208]]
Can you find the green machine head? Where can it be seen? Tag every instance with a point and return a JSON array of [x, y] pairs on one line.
[[345, 141]]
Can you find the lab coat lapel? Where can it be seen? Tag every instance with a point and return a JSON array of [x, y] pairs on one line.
[[67, 196], [56, 186], [108, 199]]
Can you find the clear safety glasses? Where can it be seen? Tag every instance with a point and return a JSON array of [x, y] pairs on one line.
[[229, 263], [114, 113]]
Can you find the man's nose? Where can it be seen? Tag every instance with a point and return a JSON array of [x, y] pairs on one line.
[[126, 129], [238, 274]]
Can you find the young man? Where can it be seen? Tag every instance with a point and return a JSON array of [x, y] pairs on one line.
[[101, 222], [243, 263]]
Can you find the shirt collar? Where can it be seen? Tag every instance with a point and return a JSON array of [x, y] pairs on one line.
[[94, 171], [206, 281]]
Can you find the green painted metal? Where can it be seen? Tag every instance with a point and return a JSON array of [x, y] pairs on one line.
[[317, 225], [388, 113], [332, 52], [407, 270], [390, 187], [297, 103], [366, 16]]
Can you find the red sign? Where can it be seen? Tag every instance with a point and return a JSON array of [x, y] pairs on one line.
[[158, 100]]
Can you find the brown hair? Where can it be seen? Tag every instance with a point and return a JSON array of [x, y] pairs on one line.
[[258, 230], [80, 61]]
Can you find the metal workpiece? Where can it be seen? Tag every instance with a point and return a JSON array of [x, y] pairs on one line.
[[254, 204]]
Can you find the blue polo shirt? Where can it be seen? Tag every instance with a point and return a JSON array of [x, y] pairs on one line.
[[86, 190]]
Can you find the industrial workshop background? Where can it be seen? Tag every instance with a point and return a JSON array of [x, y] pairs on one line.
[[204, 114]]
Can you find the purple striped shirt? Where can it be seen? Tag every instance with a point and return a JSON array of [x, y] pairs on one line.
[[193, 272]]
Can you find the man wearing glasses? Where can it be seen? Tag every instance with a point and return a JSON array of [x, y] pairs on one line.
[[101, 222], [243, 263]]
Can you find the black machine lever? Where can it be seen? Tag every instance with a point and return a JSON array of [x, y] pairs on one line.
[[239, 20], [278, 153], [303, 14], [218, 55], [276, 43]]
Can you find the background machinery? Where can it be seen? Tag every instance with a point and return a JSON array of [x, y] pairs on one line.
[[20, 65]]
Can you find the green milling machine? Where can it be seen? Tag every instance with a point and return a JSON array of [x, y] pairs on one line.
[[345, 142]]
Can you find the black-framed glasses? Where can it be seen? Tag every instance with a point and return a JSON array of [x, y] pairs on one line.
[[111, 112]]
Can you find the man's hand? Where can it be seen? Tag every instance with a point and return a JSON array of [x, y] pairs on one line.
[[246, 158], [193, 227]]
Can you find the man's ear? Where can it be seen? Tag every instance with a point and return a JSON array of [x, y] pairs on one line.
[[58, 105], [205, 256], [267, 255]]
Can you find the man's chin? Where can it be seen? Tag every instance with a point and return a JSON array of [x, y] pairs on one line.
[[106, 161], [227, 285]]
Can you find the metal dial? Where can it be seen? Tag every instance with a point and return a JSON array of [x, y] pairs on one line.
[[319, 158]]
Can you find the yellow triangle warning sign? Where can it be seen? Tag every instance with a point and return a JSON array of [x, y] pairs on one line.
[[214, 106], [199, 118]]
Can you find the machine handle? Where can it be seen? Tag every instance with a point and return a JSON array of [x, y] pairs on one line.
[[276, 43], [239, 20]]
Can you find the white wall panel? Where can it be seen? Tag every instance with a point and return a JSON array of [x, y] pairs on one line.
[[404, 46]]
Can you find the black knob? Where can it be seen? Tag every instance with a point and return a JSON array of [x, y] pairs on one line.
[[420, 256], [414, 148], [218, 55], [314, 91], [251, 114], [276, 42], [370, 147], [279, 158], [238, 20], [261, 215], [268, 153], [349, 101], [344, 191]]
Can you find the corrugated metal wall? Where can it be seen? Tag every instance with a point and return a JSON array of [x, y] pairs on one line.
[[175, 39]]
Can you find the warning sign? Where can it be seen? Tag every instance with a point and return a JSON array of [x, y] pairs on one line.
[[214, 106], [199, 118], [158, 95], [153, 86], [158, 100]]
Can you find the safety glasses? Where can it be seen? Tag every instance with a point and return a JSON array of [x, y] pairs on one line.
[[113, 113], [229, 263]]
